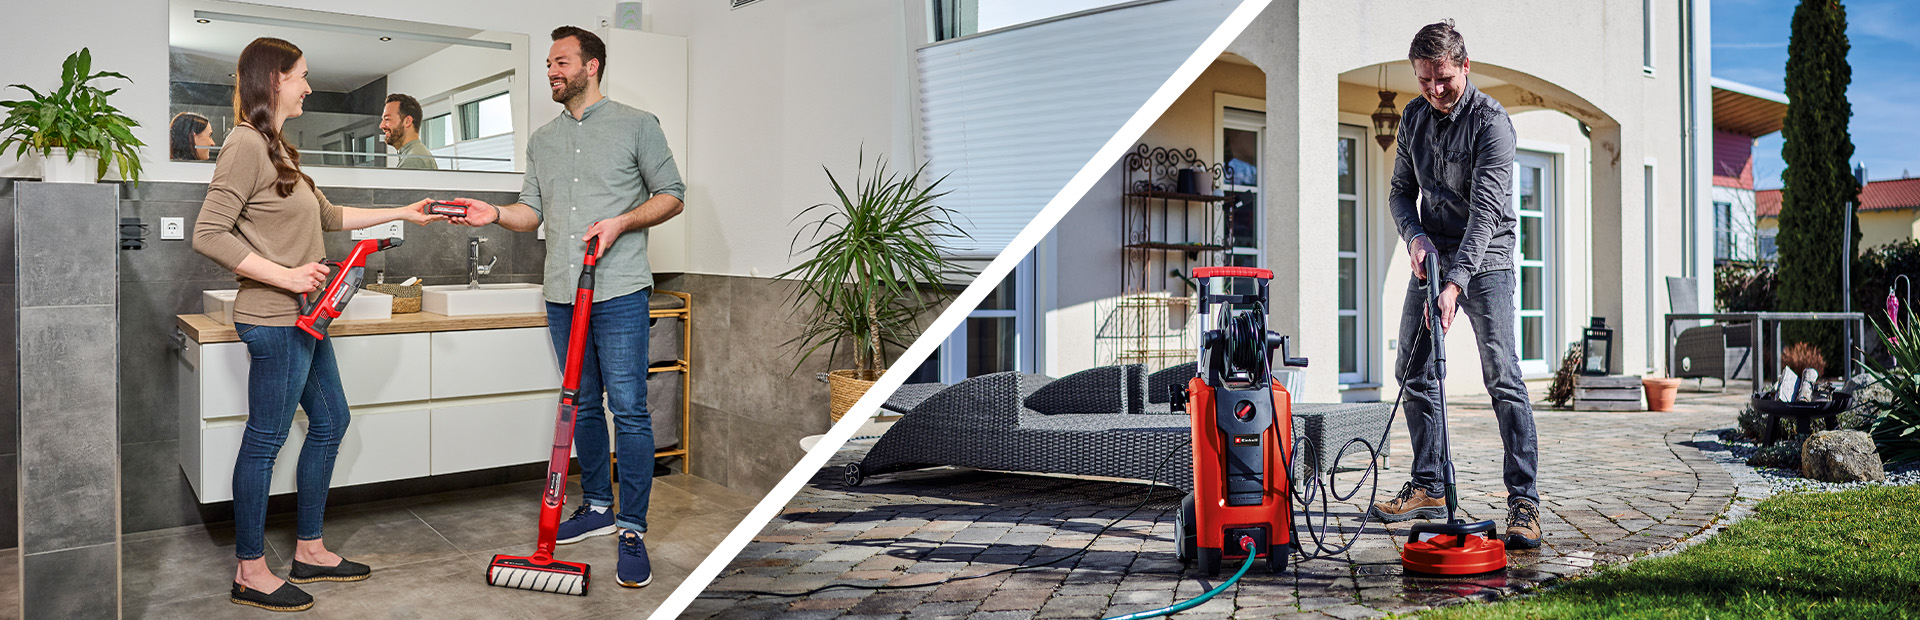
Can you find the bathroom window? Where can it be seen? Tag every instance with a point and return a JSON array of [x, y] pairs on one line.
[[437, 132], [486, 117]]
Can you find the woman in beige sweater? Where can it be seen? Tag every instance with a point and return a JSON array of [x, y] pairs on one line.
[[262, 219]]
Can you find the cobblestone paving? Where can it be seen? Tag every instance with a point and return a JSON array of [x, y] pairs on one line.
[[1613, 486]]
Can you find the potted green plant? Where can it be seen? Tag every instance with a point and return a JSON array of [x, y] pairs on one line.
[[76, 133], [875, 259]]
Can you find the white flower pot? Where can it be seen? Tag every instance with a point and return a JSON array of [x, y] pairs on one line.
[[85, 167]]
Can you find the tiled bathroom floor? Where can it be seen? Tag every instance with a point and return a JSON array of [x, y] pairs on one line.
[[429, 556]]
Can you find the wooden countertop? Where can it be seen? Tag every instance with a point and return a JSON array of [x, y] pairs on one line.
[[204, 330]]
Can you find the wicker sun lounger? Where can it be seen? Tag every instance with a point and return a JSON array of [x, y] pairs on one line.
[[1093, 423]]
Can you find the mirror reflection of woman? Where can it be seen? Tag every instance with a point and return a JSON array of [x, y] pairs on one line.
[[263, 220], [190, 138]]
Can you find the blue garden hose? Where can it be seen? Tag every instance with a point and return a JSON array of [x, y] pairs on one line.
[[1246, 543]]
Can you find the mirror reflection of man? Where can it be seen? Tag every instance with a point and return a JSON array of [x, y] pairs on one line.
[[400, 124]]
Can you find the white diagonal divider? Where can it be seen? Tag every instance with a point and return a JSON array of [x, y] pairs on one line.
[[1043, 222]]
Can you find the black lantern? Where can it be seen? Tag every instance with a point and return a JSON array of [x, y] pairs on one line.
[[1596, 342], [1386, 121]]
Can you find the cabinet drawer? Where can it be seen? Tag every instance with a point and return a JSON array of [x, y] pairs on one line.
[[378, 447], [492, 433], [390, 368], [493, 361]]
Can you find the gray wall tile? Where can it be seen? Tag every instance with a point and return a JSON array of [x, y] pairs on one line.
[[69, 458], [49, 583], [67, 224]]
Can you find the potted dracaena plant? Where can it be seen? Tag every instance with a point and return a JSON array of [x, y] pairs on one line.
[[876, 258], [73, 129]]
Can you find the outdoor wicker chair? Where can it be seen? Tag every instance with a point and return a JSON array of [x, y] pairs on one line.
[[1702, 351]]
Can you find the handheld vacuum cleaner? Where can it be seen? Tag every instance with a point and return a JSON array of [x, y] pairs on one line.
[[342, 282], [540, 572]]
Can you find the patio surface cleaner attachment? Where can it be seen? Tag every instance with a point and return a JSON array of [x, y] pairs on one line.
[[540, 572], [1454, 547], [342, 282]]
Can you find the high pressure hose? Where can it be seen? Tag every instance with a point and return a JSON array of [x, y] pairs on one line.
[[1246, 544]]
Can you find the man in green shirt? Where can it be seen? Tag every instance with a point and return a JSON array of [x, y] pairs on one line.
[[400, 122], [599, 172]]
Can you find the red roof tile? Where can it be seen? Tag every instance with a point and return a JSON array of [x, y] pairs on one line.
[[1878, 196]]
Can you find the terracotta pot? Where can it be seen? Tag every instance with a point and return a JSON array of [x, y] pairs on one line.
[[1660, 392], [846, 387]]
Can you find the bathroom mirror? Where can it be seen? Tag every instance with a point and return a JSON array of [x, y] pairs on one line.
[[472, 106]]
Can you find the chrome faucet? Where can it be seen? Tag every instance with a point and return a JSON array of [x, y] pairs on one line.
[[474, 268]]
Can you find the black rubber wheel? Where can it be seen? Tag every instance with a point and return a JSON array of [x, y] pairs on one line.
[[853, 476], [1210, 562], [1277, 557], [1186, 539]]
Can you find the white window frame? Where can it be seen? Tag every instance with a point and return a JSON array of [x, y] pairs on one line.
[[1244, 114], [1026, 320], [1363, 303], [1551, 206]]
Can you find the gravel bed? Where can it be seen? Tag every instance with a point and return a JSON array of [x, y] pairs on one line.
[[1784, 480]]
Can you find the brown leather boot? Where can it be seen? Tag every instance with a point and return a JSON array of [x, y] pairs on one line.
[[1412, 503], [1523, 525]]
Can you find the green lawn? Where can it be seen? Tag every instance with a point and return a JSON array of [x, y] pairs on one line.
[[1854, 554]]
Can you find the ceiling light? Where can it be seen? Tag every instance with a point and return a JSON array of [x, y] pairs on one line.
[[386, 38], [204, 21]]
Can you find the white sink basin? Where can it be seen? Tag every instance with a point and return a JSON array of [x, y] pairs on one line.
[[458, 300], [365, 305]]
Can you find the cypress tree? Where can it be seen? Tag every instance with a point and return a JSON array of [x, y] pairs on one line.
[[1818, 182]]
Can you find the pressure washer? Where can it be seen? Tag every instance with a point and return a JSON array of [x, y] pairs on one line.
[[342, 283]]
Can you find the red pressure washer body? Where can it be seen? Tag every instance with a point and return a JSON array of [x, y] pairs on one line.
[[342, 282], [1242, 431]]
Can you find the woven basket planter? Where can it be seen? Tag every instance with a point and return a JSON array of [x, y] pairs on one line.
[[846, 387]]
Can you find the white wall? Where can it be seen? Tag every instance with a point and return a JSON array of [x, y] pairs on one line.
[[130, 37], [778, 90]]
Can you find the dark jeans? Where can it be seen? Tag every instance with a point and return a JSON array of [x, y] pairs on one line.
[[616, 362], [289, 368], [1489, 305]]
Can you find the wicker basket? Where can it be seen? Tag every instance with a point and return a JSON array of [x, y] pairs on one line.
[[847, 387], [405, 298]]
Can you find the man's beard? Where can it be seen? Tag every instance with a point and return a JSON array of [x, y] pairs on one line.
[[393, 138], [574, 87]]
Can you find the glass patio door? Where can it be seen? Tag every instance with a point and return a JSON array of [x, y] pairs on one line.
[[1534, 198]]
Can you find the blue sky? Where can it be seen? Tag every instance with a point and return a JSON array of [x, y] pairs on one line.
[[1750, 46]]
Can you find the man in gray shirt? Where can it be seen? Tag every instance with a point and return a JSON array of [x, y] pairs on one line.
[[599, 172], [400, 125], [1455, 158]]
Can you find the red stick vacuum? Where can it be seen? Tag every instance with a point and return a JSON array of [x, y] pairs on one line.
[[1242, 430], [342, 283], [1455, 547], [540, 572]]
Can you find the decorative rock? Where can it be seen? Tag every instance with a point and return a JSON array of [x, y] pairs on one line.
[[1841, 456]]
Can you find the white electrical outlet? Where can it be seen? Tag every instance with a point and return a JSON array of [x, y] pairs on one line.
[[173, 228], [383, 231]]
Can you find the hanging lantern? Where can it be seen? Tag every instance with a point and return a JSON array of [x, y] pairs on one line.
[[1386, 120], [1597, 341]]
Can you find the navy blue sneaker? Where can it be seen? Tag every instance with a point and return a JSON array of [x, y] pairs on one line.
[[635, 571], [585, 523]]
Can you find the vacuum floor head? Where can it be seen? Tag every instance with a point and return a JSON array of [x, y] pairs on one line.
[[525, 573]]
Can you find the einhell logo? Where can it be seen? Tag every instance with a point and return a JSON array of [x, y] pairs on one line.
[[1245, 440]]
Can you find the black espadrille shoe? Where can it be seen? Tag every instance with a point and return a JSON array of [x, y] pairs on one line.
[[287, 598], [347, 570]]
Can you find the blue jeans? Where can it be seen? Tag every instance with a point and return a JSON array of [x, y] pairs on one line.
[[616, 363], [289, 368], [1487, 303]]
